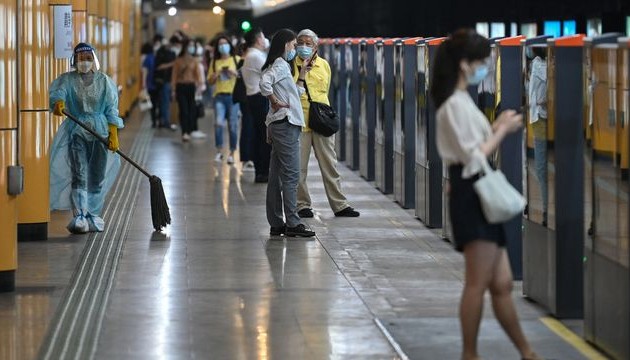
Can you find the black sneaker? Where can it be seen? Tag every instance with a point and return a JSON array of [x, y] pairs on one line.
[[305, 213], [347, 212], [299, 231], [277, 231]]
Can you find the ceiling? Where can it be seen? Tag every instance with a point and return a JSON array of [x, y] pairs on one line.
[[259, 7]]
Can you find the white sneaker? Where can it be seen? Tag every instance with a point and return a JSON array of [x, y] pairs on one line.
[[230, 160], [198, 135], [185, 137], [218, 157], [248, 166]]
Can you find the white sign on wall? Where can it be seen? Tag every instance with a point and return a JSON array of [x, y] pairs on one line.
[[63, 31]]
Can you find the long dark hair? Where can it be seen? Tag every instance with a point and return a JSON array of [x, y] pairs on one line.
[[278, 43], [184, 49], [464, 44], [217, 53]]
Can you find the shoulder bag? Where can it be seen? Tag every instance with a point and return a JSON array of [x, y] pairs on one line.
[[321, 118], [500, 201]]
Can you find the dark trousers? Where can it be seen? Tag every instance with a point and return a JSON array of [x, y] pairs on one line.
[[259, 106], [155, 110], [247, 133], [185, 94]]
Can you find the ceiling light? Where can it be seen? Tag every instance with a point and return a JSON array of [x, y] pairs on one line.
[[218, 1], [217, 10], [172, 11]]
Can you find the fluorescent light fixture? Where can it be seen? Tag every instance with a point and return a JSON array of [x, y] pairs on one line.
[[218, 1], [172, 11]]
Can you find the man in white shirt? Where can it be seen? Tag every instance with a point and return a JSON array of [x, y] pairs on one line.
[[258, 105]]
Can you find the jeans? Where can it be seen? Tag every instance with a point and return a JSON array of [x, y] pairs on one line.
[[284, 174], [259, 106], [224, 110], [185, 95], [247, 133], [165, 104]]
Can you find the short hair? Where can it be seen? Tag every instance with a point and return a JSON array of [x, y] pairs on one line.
[[310, 33]]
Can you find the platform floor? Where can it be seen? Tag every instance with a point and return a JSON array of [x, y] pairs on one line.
[[215, 285]]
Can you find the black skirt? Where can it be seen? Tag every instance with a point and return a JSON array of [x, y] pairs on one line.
[[467, 219]]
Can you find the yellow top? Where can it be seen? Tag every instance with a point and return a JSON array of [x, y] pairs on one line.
[[318, 82], [224, 84]]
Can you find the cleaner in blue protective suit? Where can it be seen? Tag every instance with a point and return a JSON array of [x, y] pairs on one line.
[[81, 169]]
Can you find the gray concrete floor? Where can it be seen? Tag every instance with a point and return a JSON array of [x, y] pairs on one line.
[[215, 285]]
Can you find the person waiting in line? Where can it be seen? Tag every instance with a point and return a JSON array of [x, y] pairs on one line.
[[186, 78], [222, 74], [148, 85], [537, 94], [258, 105], [199, 90], [164, 60], [239, 95], [318, 82], [465, 140], [81, 169], [284, 125]]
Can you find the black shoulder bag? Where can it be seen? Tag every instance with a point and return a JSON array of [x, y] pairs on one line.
[[239, 95], [321, 118]]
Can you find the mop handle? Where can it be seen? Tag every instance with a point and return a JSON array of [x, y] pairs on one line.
[[105, 142]]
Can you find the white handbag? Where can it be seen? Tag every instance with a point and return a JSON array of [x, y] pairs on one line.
[[500, 201]]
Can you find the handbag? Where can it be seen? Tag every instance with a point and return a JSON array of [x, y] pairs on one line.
[[500, 201], [321, 118], [145, 101]]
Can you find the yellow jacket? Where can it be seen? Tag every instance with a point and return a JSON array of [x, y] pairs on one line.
[[318, 82]]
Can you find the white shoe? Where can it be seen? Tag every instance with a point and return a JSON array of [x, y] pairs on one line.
[[198, 135], [185, 137], [218, 157], [248, 166], [230, 160]]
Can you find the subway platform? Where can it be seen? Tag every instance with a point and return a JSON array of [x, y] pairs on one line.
[[215, 285]]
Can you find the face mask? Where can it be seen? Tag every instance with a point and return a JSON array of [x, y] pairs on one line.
[[224, 49], [192, 50], [290, 55], [304, 51], [480, 73], [176, 49], [199, 51], [84, 66], [267, 44]]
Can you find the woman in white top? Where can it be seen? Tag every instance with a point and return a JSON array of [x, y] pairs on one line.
[[284, 125], [464, 140]]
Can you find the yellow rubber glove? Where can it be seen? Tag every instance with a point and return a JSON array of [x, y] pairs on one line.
[[59, 107], [113, 138]]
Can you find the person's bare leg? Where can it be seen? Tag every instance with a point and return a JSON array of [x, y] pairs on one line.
[[503, 306], [479, 256]]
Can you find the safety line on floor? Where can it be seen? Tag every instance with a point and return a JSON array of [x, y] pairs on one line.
[[572, 339], [76, 326], [392, 342]]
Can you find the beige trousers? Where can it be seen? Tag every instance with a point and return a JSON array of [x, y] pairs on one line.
[[324, 148]]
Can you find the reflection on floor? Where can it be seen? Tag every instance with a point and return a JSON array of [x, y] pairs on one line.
[[215, 285]]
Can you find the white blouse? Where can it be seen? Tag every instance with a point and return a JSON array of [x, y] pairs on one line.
[[278, 80], [460, 131]]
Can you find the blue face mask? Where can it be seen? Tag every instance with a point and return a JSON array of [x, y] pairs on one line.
[[304, 51], [480, 73], [224, 49], [290, 55]]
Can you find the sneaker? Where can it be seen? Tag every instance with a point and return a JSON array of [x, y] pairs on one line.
[[277, 231], [198, 135], [185, 137], [347, 212], [305, 213], [299, 231], [218, 157], [248, 166], [230, 160], [173, 127]]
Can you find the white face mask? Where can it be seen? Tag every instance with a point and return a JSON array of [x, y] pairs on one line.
[[84, 66], [267, 44]]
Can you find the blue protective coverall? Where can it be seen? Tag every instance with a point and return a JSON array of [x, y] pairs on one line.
[[82, 170]]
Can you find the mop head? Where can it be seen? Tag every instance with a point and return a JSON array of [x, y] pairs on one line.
[[160, 213]]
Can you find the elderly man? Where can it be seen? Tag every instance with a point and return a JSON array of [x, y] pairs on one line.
[[318, 82]]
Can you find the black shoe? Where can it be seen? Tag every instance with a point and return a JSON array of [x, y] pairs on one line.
[[347, 212], [305, 213], [277, 231], [299, 231], [261, 179]]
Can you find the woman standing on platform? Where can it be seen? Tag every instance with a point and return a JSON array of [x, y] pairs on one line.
[[284, 125], [465, 139], [185, 79]]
